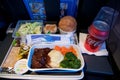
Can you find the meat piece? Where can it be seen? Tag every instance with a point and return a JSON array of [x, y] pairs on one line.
[[40, 58]]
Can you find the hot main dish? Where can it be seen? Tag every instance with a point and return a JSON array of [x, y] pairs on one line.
[[58, 57]]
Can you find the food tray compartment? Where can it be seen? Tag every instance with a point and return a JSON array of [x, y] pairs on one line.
[[34, 27], [31, 52]]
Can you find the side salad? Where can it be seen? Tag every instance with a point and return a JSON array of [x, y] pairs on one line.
[[29, 28]]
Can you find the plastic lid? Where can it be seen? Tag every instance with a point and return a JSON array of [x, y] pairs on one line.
[[21, 66], [99, 30], [101, 25]]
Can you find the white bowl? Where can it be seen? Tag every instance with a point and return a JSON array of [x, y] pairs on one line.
[[31, 52]]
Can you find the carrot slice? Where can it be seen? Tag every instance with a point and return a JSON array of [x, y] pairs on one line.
[[57, 48], [64, 49], [71, 49]]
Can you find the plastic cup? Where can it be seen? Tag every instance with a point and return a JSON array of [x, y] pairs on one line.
[[108, 15], [98, 33], [99, 30]]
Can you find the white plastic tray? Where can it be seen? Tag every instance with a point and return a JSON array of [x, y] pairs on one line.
[[44, 77], [51, 46]]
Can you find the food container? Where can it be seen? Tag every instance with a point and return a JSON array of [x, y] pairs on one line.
[[64, 32], [24, 27], [67, 25], [21, 67], [50, 29], [51, 46]]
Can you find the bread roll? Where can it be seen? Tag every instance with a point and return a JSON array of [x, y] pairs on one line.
[[12, 58], [67, 23]]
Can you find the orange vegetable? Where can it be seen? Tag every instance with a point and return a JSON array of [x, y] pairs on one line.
[[71, 49], [57, 48], [64, 49]]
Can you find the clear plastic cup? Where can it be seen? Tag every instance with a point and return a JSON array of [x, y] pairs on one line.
[[98, 33], [99, 30], [108, 15]]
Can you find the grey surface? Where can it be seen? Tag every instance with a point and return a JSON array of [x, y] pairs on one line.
[[114, 42], [96, 64], [4, 46], [0, 43]]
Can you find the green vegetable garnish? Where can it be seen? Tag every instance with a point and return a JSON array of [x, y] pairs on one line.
[[29, 28], [48, 32], [70, 61], [14, 43], [70, 56], [64, 64], [17, 34], [75, 64]]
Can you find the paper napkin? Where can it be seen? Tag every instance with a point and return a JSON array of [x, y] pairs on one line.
[[102, 52]]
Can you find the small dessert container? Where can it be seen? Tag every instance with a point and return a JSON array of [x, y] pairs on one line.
[[21, 66]]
